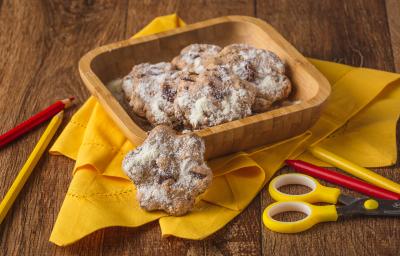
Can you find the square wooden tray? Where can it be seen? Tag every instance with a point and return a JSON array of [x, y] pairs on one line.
[[115, 60]]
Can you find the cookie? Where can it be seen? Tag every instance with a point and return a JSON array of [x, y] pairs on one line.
[[272, 88], [168, 170], [193, 57], [261, 67], [213, 97], [151, 89]]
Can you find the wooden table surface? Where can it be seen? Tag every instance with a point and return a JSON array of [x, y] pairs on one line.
[[41, 42]]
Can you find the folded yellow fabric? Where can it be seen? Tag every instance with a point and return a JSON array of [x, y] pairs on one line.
[[358, 123]]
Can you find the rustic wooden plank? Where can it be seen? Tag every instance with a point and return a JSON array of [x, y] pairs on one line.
[[40, 44], [393, 11], [350, 32], [146, 240], [141, 13], [239, 237], [354, 33]]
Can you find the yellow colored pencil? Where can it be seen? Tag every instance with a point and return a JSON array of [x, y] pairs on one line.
[[353, 169], [27, 169]]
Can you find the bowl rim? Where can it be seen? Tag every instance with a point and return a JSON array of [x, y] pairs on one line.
[[137, 135]]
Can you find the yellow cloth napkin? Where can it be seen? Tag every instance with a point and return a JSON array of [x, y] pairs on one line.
[[358, 123]]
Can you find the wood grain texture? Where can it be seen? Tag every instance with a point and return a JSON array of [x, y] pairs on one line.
[[393, 13], [41, 42], [190, 11], [350, 32]]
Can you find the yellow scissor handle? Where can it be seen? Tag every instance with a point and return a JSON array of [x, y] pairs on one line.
[[315, 214], [318, 193]]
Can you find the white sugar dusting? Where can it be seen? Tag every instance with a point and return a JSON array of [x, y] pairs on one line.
[[263, 61], [203, 86], [165, 170], [261, 67], [217, 97], [192, 57], [127, 86], [152, 192], [241, 69], [152, 88], [274, 87], [197, 113], [145, 83]]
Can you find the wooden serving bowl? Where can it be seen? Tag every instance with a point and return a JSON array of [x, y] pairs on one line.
[[112, 61]]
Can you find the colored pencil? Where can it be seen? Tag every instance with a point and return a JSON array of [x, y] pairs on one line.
[[343, 180], [355, 170], [26, 170], [34, 121]]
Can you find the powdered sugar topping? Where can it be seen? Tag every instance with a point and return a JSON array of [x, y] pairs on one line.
[[152, 86], [217, 96], [193, 57], [168, 170]]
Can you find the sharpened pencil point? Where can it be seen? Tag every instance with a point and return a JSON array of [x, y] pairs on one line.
[[68, 101]]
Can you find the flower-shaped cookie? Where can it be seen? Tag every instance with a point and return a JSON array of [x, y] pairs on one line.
[[168, 170]]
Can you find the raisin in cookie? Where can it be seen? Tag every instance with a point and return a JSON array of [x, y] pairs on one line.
[[213, 97], [151, 89], [261, 67], [168, 171], [193, 57]]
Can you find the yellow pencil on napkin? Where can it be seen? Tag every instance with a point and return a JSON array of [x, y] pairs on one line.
[[352, 168], [27, 169]]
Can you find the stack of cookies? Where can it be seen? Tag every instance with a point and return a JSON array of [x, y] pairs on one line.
[[207, 85]]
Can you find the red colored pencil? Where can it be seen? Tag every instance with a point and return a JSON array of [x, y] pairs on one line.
[[343, 180], [34, 121]]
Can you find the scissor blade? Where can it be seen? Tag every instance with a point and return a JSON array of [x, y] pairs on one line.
[[347, 200], [385, 208], [389, 207]]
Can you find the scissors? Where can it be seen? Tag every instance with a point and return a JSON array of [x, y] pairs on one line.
[[315, 213]]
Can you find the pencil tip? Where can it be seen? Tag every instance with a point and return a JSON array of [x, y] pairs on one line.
[[68, 101]]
